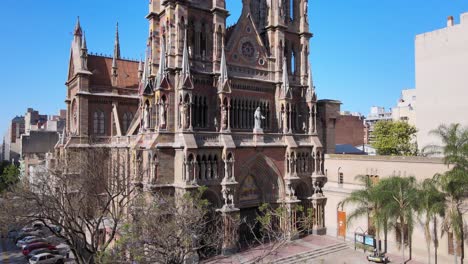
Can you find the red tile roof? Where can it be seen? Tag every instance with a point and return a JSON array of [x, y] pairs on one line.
[[101, 67]]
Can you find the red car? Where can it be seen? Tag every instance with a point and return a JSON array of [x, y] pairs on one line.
[[31, 247]]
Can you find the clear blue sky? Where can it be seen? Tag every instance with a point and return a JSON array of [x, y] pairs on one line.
[[362, 52]]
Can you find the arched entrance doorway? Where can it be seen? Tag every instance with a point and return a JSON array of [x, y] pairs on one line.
[[260, 183]]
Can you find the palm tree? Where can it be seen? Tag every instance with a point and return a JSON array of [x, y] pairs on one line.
[[368, 202], [401, 204], [454, 147], [431, 206], [454, 183]]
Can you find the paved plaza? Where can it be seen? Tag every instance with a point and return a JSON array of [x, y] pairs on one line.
[[310, 249]]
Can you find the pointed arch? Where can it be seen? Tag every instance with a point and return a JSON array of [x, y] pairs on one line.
[[259, 171]]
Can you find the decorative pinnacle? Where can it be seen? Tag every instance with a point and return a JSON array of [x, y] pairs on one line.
[[117, 42]]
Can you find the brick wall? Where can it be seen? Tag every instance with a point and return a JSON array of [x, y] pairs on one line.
[[349, 130]]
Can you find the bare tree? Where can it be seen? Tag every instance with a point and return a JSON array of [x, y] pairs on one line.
[[169, 229], [274, 228], [86, 194]]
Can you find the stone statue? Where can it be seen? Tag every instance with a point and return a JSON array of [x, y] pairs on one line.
[[162, 115], [268, 10], [225, 193], [258, 119], [185, 118], [231, 197], [146, 117], [293, 192], [224, 117], [215, 122], [306, 9], [280, 7]]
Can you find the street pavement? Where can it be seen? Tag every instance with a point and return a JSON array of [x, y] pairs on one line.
[[9, 253]]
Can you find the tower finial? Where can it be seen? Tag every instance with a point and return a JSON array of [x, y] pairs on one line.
[[185, 58], [162, 64], [140, 69], [117, 42], [77, 31], [83, 43], [223, 81], [310, 89], [223, 68]]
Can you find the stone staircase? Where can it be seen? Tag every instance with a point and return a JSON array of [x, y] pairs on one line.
[[306, 257]]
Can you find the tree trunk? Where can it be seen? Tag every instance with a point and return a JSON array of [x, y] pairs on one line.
[[455, 248], [462, 245], [378, 240], [428, 239], [385, 235], [436, 239], [402, 240]]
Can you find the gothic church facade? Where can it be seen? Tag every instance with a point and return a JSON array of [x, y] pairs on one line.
[[231, 108]]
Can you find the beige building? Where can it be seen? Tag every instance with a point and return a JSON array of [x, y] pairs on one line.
[[341, 171], [405, 110], [441, 78]]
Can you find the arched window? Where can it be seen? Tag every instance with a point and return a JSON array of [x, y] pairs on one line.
[[99, 123], [126, 121], [291, 9]]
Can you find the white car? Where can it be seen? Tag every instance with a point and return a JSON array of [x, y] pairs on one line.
[[25, 240], [46, 258]]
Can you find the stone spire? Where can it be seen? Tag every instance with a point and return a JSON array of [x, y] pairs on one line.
[[310, 89], [162, 64], [83, 43], [114, 64], [285, 89], [223, 81], [140, 69], [147, 87], [186, 80], [185, 58], [77, 31], [84, 54], [117, 43]]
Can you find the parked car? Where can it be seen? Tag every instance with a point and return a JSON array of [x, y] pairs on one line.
[[378, 258], [27, 249], [38, 226], [21, 235], [63, 249], [46, 258], [31, 241], [42, 250], [25, 240]]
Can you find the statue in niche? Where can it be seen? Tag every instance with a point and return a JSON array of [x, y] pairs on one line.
[[224, 117], [146, 117], [281, 7], [318, 189], [225, 192], [258, 119], [306, 9], [162, 115], [185, 115]]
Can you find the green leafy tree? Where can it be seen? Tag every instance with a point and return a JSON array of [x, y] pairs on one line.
[[9, 177], [402, 201], [394, 138], [368, 202], [432, 205]]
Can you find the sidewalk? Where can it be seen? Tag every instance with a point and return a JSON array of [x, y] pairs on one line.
[[328, 250]]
